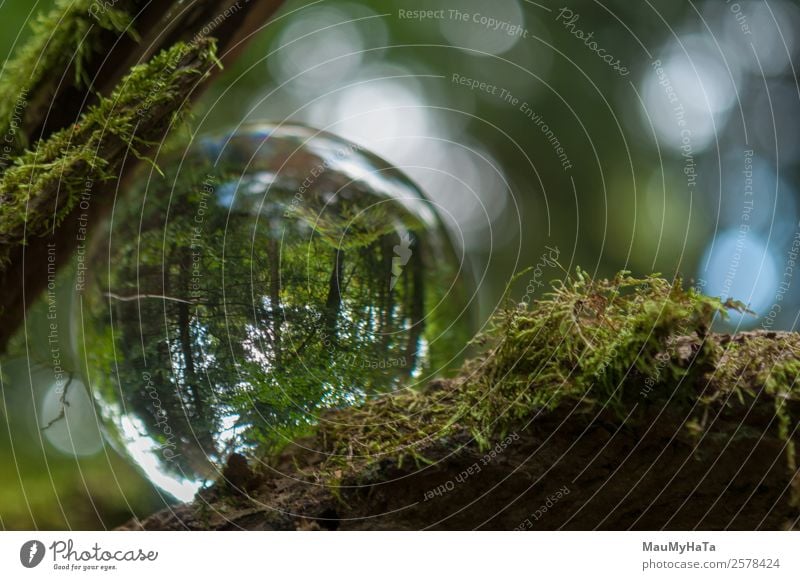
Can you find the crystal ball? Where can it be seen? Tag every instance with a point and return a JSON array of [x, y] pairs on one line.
[[246, 283]]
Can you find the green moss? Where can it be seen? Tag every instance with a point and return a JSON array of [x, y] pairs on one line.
[[608, 340], [66, 37], [46, 183], [615, 343], [771, 362]]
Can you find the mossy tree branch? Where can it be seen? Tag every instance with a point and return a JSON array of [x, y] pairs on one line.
[[61, 56], [607, 405], [44, 184], [70, 97], [82, 48]]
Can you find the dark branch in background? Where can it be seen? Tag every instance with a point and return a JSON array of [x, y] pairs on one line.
[[73, 97], [135, 297], [62, 412]]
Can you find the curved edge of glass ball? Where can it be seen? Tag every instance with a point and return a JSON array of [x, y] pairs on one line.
[[273, 272]]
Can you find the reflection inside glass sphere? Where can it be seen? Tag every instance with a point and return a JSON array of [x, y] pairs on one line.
[[268, 274]]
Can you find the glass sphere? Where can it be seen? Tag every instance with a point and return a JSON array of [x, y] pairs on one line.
[[253, 280]]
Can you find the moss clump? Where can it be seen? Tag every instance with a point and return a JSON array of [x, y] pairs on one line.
[[46, 183], [613, 343], [770, 362], [66, 37], [606, 340]]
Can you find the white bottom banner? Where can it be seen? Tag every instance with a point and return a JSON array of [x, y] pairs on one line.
[[370, 555]]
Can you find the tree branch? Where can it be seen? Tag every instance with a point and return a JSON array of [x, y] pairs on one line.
[[580, 465], [89, 144], [660, 424]]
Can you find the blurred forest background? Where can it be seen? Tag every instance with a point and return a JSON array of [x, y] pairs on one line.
[[652, 136]]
